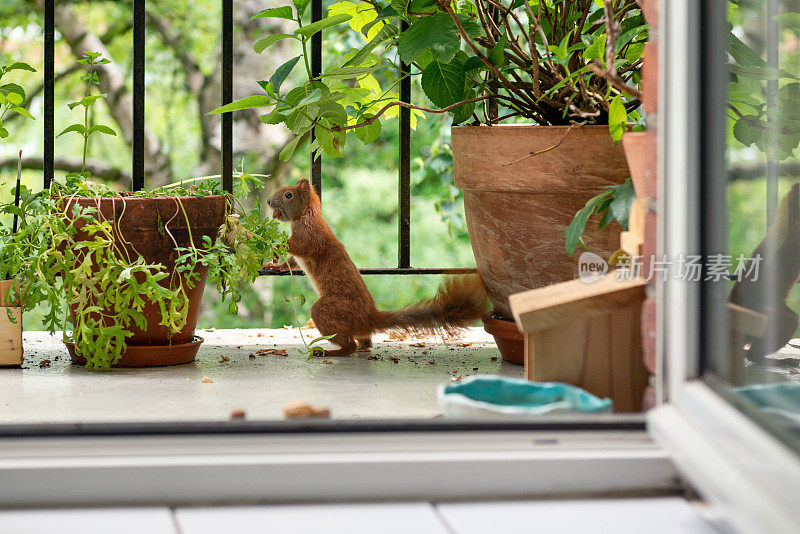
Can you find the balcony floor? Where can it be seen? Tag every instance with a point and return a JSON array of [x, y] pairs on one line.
[[394, 380]]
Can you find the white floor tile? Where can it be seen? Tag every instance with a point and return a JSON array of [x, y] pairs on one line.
[[88, 521], [670, 515], [411, 518]]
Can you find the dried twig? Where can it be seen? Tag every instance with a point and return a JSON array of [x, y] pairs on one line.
[[548, 149], [612, 78]]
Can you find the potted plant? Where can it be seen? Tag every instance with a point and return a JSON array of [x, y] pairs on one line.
[[12, 101], [127, 270], [560, 75]]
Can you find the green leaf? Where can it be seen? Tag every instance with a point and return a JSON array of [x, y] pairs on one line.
[[422, 6], [300, 6], [291, 146], [312, 97], [248, 102], [74, 128], [283, 12], [597, 50], [790, 20], [22, 111], [314, 27], [19, 65], [86, 101], [334, 113], [370, 132], [15, 98], [463, 113], [576, 228], [471, 28], [400, 7], [763, 73], [444, 83], [387, 32], [282, 72], [262, 44], [102, 129], [617, 118], [273, 117], [325, 137], [497, 55], [474, 63], [437, 33], [746, 134], [386, 12], [345, 73], [621, 205]]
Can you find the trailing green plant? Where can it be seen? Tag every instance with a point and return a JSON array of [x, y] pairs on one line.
[[73, 260], [12, 100]]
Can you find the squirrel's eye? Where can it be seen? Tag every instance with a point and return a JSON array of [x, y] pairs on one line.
[[288, 195]]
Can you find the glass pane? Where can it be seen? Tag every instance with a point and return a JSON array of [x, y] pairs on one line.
[[763, 199]]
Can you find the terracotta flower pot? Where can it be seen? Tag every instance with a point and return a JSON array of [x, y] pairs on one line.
[[640, 150], [143, 222], [510, 341], [522, 186]]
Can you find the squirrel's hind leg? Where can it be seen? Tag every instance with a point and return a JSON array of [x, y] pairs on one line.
[[330, 321], [365, 343], [348, 346]]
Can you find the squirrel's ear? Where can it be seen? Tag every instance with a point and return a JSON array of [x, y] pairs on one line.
[[303, 185]]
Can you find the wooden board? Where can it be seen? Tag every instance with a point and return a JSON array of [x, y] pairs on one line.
[[10, 337], [588, 335]]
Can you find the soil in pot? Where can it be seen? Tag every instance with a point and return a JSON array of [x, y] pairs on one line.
[[522, 186], [151, 227]]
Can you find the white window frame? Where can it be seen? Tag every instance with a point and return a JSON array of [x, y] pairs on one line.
[[729, 458]]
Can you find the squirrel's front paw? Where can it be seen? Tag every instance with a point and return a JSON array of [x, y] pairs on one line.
[[276, 266]]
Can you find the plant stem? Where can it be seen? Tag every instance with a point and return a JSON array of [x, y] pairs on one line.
[[305, 50], [86, 118], [411, 106]]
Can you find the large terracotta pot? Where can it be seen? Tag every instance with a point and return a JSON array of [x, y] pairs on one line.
[[518, 205], [141, 222]]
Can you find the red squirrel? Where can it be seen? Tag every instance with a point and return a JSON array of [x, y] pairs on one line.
[[345, 308]]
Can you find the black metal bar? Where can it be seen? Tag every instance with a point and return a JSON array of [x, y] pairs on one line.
[[404, 188], [49, 90], [227, 95], [389, 270], [138, 95], [16, 193], [316, 70]]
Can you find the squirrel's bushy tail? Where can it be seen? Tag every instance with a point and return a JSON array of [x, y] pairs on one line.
[[460, 301]]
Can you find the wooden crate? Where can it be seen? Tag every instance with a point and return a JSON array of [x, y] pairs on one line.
[[10, 330], [588, 335]]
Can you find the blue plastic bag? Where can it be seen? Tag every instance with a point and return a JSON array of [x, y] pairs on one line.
[[493, 396]]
